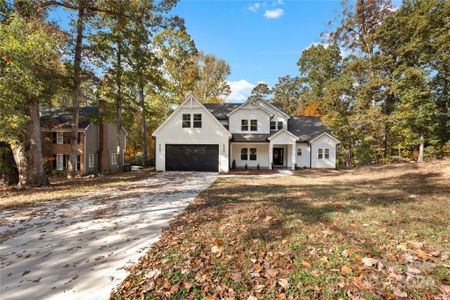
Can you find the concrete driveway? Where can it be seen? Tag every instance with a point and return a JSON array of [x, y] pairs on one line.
[[77, 248]]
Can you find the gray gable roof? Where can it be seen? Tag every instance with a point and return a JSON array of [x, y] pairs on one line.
[[306, 128], [61, 118], [250, 137], [220, 110]]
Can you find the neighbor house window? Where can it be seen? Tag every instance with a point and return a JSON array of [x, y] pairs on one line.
[[79, 138], [252, 153], [244, 125], [197, 121], [59, 162], [113, 159], [59, 138], [91, 161], [299, 151], [254, 125], [327, 153], [273, 125], [320, 153], [280, 125], [244, 154], [78, 163], [186, 121]]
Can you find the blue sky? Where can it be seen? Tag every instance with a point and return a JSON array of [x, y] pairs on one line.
[[261, 40]]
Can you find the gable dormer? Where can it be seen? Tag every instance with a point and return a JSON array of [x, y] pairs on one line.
[[279, 119], [250, 117]]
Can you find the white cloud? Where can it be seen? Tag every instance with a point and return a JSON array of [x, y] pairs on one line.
[[254, 7], [273, 14], [240, 90]]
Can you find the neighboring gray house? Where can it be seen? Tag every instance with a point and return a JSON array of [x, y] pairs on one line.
[[97, 143], [210, 137]]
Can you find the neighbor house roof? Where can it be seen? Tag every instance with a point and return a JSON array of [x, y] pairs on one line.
[[250, 137], [61, 118], [306, 128]]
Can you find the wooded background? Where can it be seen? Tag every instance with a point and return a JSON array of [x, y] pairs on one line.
[[379, 79]]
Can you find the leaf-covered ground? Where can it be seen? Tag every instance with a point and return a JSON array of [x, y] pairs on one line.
[[62, 188], [371, 233]]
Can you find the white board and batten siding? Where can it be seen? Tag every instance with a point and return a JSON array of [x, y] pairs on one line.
[[262, 155], [250, 112], [303, 160], [211, 133], [323, 141]]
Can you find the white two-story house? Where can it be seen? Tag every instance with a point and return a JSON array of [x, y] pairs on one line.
[[217, 137]]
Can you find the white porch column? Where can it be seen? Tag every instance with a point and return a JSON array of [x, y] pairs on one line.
[[270, 155], [293, 156]]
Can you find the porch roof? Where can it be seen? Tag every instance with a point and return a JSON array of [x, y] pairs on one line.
[[238, 137]]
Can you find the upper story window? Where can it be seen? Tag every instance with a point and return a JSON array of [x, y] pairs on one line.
[[59, 138], [244, 125], [280, 125], [254, 125], [273, 125], [197, 120], [186, 121]]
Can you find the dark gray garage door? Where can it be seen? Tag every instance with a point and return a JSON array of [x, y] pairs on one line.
[[192, 158]]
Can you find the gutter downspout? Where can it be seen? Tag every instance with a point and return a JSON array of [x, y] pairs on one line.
[[310, 155]]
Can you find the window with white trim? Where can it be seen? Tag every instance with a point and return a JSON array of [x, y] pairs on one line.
[[244, 154], [252, 153], [273, 125], [186, 123], [299, 152], [197, 120], [59, 162], [280, 125], [60, 138], [253, 125], [91, 161], [320, 153], [113, 159], [327, 153], [244, 125]]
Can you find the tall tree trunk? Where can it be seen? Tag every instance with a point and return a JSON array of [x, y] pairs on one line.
[[28, 154], [421, 148], [8, 168], [143, 122], [76, 92], [118, 103]]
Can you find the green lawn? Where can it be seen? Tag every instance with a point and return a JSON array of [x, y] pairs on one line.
[[374, 233]]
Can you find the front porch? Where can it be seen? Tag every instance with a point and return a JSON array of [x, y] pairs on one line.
[[262, 156]]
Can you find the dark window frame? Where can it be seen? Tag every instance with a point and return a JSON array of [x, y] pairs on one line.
[[299, 152], [273, 125], [254, 127], [326, 153], [244, 153], [280, 125], [197, 123], [252, 153], [244, 125], [186, 121], [320, 153]]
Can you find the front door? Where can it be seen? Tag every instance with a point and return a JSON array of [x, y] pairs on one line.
[[278, 156]]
